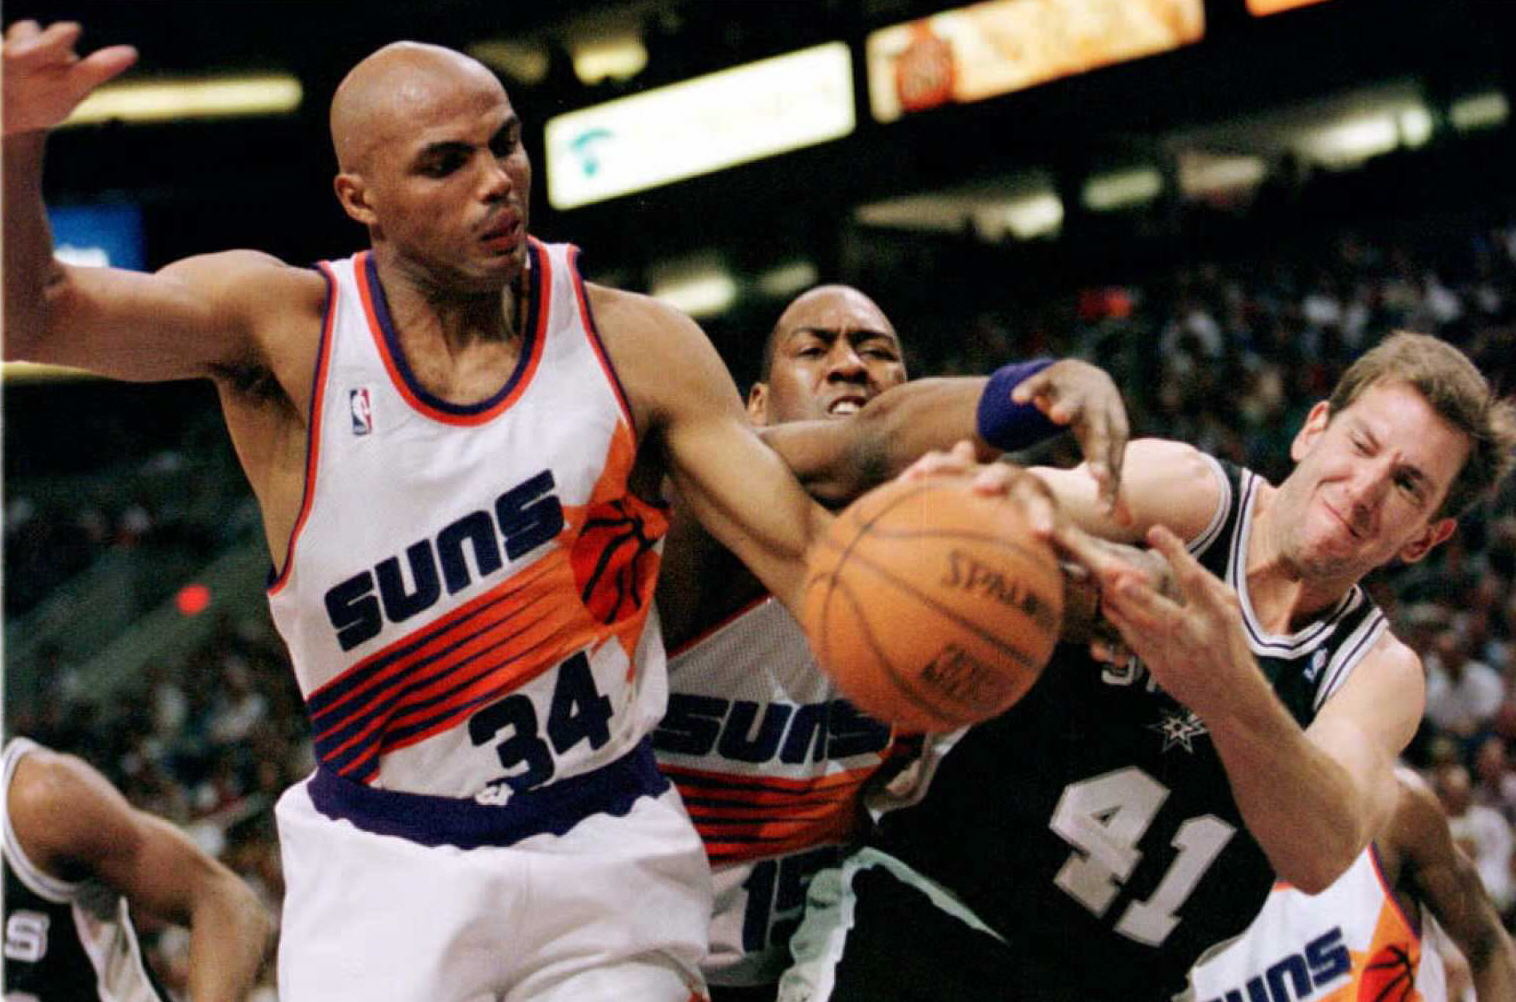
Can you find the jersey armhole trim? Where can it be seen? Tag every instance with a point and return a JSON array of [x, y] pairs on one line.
[[279, 575], [37, 880], [1203, 540]]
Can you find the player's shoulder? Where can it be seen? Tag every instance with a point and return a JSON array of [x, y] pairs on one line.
[[622, 314], [1172, 484], [252, 276]]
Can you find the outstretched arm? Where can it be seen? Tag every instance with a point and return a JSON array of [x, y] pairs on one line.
[[838, 460], [1438, 873], [194, 318], [72, 822]]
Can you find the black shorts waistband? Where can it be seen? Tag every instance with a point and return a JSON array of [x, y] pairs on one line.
[[553, 809]]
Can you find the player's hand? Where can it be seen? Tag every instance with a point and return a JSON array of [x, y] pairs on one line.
[[1086, 559], [44, 77], [990, 479], [1084, 397], [1193, 642]]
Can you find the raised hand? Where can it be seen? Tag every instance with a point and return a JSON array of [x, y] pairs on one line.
[[44, 77], [1082, 396]]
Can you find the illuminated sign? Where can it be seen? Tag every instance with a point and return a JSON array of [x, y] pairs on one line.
[[988, 49], [1258, 8], [98, 235], [700, 125]]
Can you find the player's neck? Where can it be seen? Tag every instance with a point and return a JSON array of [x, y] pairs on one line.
[[432, 314], [1285, 597]]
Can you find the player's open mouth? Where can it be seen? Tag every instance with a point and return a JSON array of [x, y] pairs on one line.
[[844, 406]]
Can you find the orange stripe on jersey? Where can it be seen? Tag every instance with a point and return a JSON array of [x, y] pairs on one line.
[[742, 818], [424, 681], [540, 283], [313, 427]]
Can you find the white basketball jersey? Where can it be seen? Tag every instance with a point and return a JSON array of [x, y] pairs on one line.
[[467, 593], [1350, 942], [771, 762]]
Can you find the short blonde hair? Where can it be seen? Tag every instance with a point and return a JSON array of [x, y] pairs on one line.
[[1457, 391]]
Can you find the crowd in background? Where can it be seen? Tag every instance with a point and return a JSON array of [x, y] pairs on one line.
[[1228, 355]]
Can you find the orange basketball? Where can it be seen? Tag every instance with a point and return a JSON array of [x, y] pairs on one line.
[[932, 606]]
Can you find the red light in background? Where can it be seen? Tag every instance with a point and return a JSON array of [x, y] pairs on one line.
[[193, 599]]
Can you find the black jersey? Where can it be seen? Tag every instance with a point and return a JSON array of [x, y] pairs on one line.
[[64, 942], [1093, 826]]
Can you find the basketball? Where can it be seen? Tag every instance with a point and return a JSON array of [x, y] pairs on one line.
[[931, 606]]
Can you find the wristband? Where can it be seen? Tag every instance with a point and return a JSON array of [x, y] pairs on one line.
[[1005, 424]]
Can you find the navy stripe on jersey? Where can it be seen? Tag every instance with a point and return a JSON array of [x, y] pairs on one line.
[[596, 340], [336, 721], [392, 341], [553, 809]]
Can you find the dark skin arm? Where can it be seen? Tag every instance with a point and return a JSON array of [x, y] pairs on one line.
[[1423, 863], [73, 824], [702, 583]]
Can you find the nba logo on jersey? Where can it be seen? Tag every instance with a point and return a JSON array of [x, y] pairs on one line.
[[362, 410]]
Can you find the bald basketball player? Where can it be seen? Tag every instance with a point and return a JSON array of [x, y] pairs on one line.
[[457, 446], [772, 762]]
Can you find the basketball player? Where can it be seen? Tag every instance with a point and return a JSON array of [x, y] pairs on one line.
[[458, 448], [79, 859], [1092, 841], [1364, 937], [771, 761]]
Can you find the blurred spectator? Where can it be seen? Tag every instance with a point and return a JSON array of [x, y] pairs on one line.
[[1463, 695], [1481, 832]]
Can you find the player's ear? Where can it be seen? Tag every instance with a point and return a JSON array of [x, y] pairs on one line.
[[1315, 423], [353, 194], [758, 404], [1436, 532]]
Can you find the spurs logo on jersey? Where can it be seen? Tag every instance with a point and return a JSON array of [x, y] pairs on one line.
[[64, 941], [770, 761], [467, 593]]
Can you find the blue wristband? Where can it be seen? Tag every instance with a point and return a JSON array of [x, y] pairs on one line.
[[1005, 424]]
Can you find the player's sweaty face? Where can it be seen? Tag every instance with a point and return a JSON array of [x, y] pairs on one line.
[[1371, 479], [828, 364], [454, 194]]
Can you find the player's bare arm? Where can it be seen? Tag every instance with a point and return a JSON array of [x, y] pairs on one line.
[[838, 460], [1162, 483], [74, 824], [241, 318], [687, 407], [1313, 798], [1437, 873]]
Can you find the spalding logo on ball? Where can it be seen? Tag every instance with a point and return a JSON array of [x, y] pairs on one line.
[[932, 606]]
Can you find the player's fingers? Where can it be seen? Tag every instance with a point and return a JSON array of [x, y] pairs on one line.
[[22, 29], [1193, 580], [52, 44], [993, 479], [1037, 385], [98, 67], [1085, 549]]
